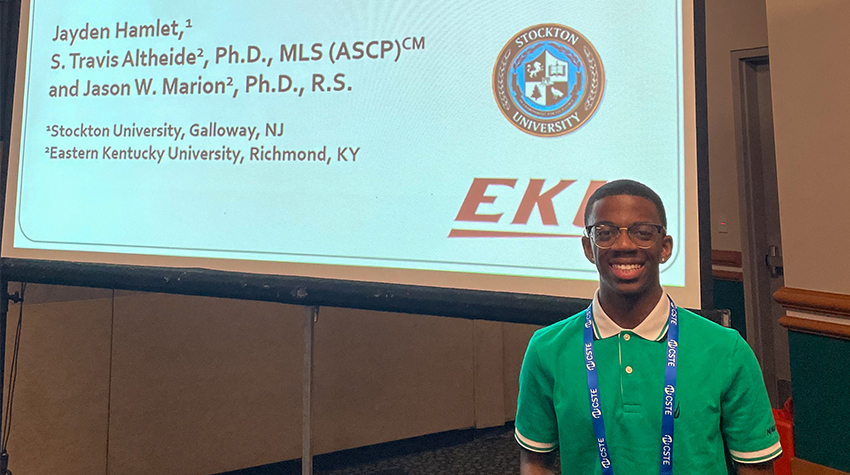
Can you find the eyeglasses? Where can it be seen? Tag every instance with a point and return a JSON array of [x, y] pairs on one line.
[[642, 234]]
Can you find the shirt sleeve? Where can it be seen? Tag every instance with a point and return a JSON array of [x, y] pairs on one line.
[[535, 428], [746, 418]]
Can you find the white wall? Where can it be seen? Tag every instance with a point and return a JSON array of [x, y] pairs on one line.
[[809, 47], [730, 25]]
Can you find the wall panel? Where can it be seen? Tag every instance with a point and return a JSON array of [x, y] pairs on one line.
[[381, 376], [60, 413], [203, 385]]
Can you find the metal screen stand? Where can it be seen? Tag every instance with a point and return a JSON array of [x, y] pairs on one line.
[[4, 309], [311, 315]]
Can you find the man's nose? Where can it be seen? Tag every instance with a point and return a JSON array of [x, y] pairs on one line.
[[623, 241]]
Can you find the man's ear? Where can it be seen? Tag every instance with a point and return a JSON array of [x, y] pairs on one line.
[[666, 248], [588, 248]]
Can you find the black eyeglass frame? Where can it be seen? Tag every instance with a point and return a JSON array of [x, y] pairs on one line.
[[662, 231]]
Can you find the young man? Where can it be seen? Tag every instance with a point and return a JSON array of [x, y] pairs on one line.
[[636, 385]]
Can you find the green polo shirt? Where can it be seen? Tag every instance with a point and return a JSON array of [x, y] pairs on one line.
[[720, 396]]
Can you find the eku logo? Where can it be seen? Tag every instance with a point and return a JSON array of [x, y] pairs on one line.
[[499, 196]]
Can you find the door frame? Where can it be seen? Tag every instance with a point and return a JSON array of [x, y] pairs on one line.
[[760, 331]]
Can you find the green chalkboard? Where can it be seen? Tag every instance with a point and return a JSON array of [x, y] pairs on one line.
[[820, 375]]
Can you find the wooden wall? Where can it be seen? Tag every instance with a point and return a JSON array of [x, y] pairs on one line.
[[136, 383]]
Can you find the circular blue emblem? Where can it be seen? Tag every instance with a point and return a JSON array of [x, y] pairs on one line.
[[548, 80]]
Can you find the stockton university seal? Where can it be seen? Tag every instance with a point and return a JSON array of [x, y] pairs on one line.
[[548, 80]]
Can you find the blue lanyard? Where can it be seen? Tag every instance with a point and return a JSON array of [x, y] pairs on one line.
[[669, 392]]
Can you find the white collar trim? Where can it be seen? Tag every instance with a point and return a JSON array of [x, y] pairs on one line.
[[652, 328]]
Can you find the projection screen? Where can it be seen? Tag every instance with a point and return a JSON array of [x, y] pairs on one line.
[[436, 143]]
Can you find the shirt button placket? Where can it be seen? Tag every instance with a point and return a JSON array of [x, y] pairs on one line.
[[627, 382], [627, 337]]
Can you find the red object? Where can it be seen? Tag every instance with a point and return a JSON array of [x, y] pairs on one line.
[[785, 427]]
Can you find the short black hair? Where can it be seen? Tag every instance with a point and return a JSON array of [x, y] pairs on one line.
[[626, 187]]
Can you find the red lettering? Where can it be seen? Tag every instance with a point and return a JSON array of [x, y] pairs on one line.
[[475, 196], [543, 201], [594, 185]]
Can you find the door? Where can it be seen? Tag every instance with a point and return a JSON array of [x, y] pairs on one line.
[[759, 207]]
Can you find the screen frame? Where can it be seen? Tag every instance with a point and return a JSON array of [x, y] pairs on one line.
[[412, 299]]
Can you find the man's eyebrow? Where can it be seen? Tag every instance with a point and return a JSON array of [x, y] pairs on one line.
[[615, 224]]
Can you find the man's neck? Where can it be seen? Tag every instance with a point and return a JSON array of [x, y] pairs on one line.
[[629, 310]]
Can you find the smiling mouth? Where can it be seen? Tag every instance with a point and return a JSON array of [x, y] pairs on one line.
[[626, 271]]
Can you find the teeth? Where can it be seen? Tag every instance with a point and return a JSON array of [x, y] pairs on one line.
[[627, 266]]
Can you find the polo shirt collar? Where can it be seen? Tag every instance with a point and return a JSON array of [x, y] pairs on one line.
[[653, 328]]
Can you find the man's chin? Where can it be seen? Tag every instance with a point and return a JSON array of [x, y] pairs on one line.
[[630, 287]]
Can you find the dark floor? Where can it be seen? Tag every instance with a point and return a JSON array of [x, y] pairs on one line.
[[465, 452], [492, 453]]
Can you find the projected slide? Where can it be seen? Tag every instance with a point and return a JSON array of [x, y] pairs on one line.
[[437, 136]]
